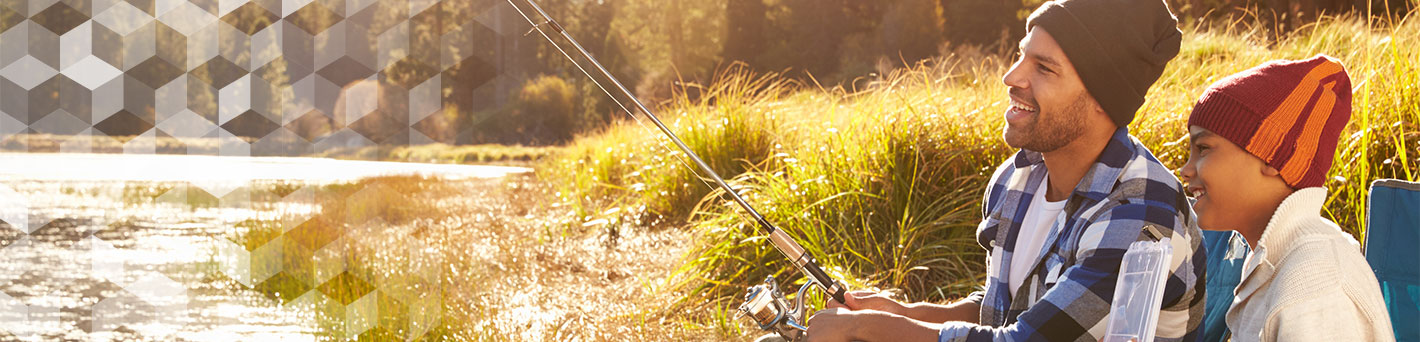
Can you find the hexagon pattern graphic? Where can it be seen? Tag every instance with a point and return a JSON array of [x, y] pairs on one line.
[[278, 72]]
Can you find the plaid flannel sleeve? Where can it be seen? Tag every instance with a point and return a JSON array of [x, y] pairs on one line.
[[1076, 307]]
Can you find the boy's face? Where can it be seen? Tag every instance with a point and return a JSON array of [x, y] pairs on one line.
[[1231, 186], [1049, 102]]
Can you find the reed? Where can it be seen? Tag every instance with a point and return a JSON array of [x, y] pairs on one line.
[[883, 183]]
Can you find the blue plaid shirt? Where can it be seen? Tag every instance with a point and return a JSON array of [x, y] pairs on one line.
[[1126, 196]]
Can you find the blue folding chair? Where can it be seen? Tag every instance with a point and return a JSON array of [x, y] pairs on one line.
[[1393, 250], [1227, 250]]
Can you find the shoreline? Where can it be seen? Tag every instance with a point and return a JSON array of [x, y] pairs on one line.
[[436, 153]]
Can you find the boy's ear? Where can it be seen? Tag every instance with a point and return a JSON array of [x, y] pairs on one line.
[[1270, 171]]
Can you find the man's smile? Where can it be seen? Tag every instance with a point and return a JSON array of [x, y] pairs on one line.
[[1019, 109]]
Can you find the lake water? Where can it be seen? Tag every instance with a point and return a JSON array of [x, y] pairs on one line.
[[112, 247]]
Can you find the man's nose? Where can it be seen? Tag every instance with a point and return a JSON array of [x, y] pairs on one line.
[[1012, 78]]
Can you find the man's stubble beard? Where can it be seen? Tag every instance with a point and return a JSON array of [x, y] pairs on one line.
[[1051, 131]]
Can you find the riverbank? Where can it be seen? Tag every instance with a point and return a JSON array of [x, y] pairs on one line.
[[478, 254], [447, 154], [515, 155], [393, 258]]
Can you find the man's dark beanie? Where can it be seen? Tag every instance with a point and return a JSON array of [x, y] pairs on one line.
[[1119, 47]]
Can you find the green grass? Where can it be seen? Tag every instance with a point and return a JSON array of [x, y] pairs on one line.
[[883, 184]]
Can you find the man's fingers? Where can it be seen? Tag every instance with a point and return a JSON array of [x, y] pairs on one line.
[[821, 315], [850, 301], [860, 294], [858, 300], [824, 313]]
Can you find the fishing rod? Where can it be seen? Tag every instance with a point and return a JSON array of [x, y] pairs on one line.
[[764, 303]]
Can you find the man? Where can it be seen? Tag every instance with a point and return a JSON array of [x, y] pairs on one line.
[[1060, 214], [1261, 143]]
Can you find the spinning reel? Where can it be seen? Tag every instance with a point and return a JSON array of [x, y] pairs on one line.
[[766, 305]]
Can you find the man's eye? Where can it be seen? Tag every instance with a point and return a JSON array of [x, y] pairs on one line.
[[1045, 69]]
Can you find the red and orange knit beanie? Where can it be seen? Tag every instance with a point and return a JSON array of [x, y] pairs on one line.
[[1289, 113]]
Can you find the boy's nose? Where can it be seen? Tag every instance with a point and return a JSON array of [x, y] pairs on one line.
[[1187, 172]]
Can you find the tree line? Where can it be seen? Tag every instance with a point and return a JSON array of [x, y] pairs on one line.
[[655, 46]]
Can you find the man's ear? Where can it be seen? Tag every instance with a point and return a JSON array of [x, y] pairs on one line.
[[1095, 105], [1098, 114]]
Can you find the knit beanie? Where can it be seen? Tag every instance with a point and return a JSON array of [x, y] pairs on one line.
[[1119, 47], [1288, 113]]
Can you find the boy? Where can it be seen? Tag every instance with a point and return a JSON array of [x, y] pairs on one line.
[[1262, 141]]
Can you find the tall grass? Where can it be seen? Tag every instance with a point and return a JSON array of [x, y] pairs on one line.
[[883, 184], [727, 128], [369, 265]]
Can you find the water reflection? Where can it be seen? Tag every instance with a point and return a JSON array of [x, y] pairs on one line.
[[218, 169], [138, 247]]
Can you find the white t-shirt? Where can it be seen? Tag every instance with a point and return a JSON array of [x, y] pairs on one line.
[[1034, 229]]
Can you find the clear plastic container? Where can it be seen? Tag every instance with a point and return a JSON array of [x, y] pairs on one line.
[[1139, 293]]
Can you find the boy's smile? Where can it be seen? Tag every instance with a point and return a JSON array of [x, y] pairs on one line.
[[1233, 189]]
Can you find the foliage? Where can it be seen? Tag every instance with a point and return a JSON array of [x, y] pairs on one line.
[[546, 107], [883, 184], [655, 46]]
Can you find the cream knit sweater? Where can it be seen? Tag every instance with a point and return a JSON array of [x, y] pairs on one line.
[[1307, 281]]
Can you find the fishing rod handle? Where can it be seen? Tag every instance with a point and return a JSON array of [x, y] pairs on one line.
[[803, 260], [834, 289]]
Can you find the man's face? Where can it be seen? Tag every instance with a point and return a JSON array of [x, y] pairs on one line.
[[1049, 103]]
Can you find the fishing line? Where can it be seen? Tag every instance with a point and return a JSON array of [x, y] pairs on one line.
[[765, 303], [538, 28]]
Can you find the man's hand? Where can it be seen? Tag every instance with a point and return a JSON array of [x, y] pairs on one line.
[[869, 300], [834, 324], [842, 324], [963, 310]]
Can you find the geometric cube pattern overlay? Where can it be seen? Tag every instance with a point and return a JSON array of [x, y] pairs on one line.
[[284, 77]]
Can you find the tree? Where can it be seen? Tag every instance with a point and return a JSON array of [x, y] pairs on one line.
[[746, 21], [911, 30], [982, 22]]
